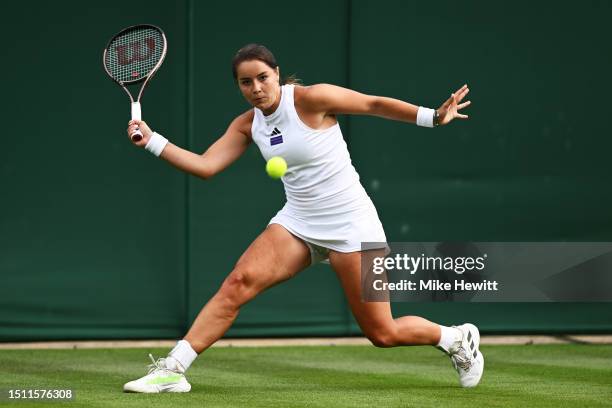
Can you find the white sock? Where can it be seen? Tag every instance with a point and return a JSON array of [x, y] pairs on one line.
[[181, 356], [449, 337]]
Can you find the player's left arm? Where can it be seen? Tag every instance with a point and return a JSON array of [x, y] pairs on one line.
[[333, 99]]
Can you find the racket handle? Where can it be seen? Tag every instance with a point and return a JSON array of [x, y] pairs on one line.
[[136, 135], [136, 115]]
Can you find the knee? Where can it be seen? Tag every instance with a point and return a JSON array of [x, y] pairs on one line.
[[237, 288], [383, 337]]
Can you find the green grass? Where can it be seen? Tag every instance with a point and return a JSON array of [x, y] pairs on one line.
[[340, 376]]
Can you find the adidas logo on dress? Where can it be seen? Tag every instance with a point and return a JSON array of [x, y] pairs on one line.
[[276, 137]]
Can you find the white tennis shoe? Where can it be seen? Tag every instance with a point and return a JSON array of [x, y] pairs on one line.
[[159, 379], [466, 356]]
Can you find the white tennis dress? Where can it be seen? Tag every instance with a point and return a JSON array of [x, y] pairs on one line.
[[326, 206]]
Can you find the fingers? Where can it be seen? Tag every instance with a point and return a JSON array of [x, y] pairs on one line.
[[451, 107], [463, 88], [464, 104], [449, 101], [458, 97], [133, 126], [139, 125], [134, 123], [461, 92]]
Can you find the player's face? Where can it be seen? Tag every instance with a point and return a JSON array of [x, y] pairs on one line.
[[259, 84]]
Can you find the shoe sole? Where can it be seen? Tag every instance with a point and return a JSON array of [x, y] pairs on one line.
[[179, 388]]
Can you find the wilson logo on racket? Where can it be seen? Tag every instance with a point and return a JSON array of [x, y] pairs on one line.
[[133, 56], [133, 52]]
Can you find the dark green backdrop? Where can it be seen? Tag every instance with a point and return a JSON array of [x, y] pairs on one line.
[[101, 240]]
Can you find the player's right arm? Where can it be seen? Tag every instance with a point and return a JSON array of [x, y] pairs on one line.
[[226, 150]]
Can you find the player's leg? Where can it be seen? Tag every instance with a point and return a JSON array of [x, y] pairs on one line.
[[273, 257], [375, 318], [378, 325]]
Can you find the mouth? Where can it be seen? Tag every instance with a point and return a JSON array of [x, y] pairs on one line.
[[260, 99]]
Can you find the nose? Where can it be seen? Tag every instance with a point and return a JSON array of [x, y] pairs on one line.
[[256, 87]]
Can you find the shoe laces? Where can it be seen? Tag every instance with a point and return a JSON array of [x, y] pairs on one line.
[[159, 364], [462, 359]]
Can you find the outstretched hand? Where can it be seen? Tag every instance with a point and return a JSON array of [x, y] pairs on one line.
[[449, 110]]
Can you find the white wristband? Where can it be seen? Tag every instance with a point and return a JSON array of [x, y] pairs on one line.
[[425, 117], [156, 144]]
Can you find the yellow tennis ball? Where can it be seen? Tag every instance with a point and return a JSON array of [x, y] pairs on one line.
[[276, 167]]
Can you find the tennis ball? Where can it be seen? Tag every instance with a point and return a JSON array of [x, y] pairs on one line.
[[276, 167]]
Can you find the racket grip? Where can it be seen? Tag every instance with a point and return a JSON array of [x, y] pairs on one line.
[[136, 115], [136, 135]]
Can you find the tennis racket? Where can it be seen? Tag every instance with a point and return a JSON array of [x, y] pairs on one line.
[[132, 57]]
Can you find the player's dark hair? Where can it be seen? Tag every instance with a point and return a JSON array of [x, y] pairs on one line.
[[258, 52]]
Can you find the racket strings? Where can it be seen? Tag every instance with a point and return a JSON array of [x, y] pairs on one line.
[[134, 54]]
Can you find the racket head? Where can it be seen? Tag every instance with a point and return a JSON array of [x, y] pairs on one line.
[[135, 53]]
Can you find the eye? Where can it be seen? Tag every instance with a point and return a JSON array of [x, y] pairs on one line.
[[263, 78], [245, 82]]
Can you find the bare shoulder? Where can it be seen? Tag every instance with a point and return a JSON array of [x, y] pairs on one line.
[[314, 95], [243, 122], [333, 99], [307, 93]]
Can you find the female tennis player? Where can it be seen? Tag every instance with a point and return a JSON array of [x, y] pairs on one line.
[[327, 214]]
